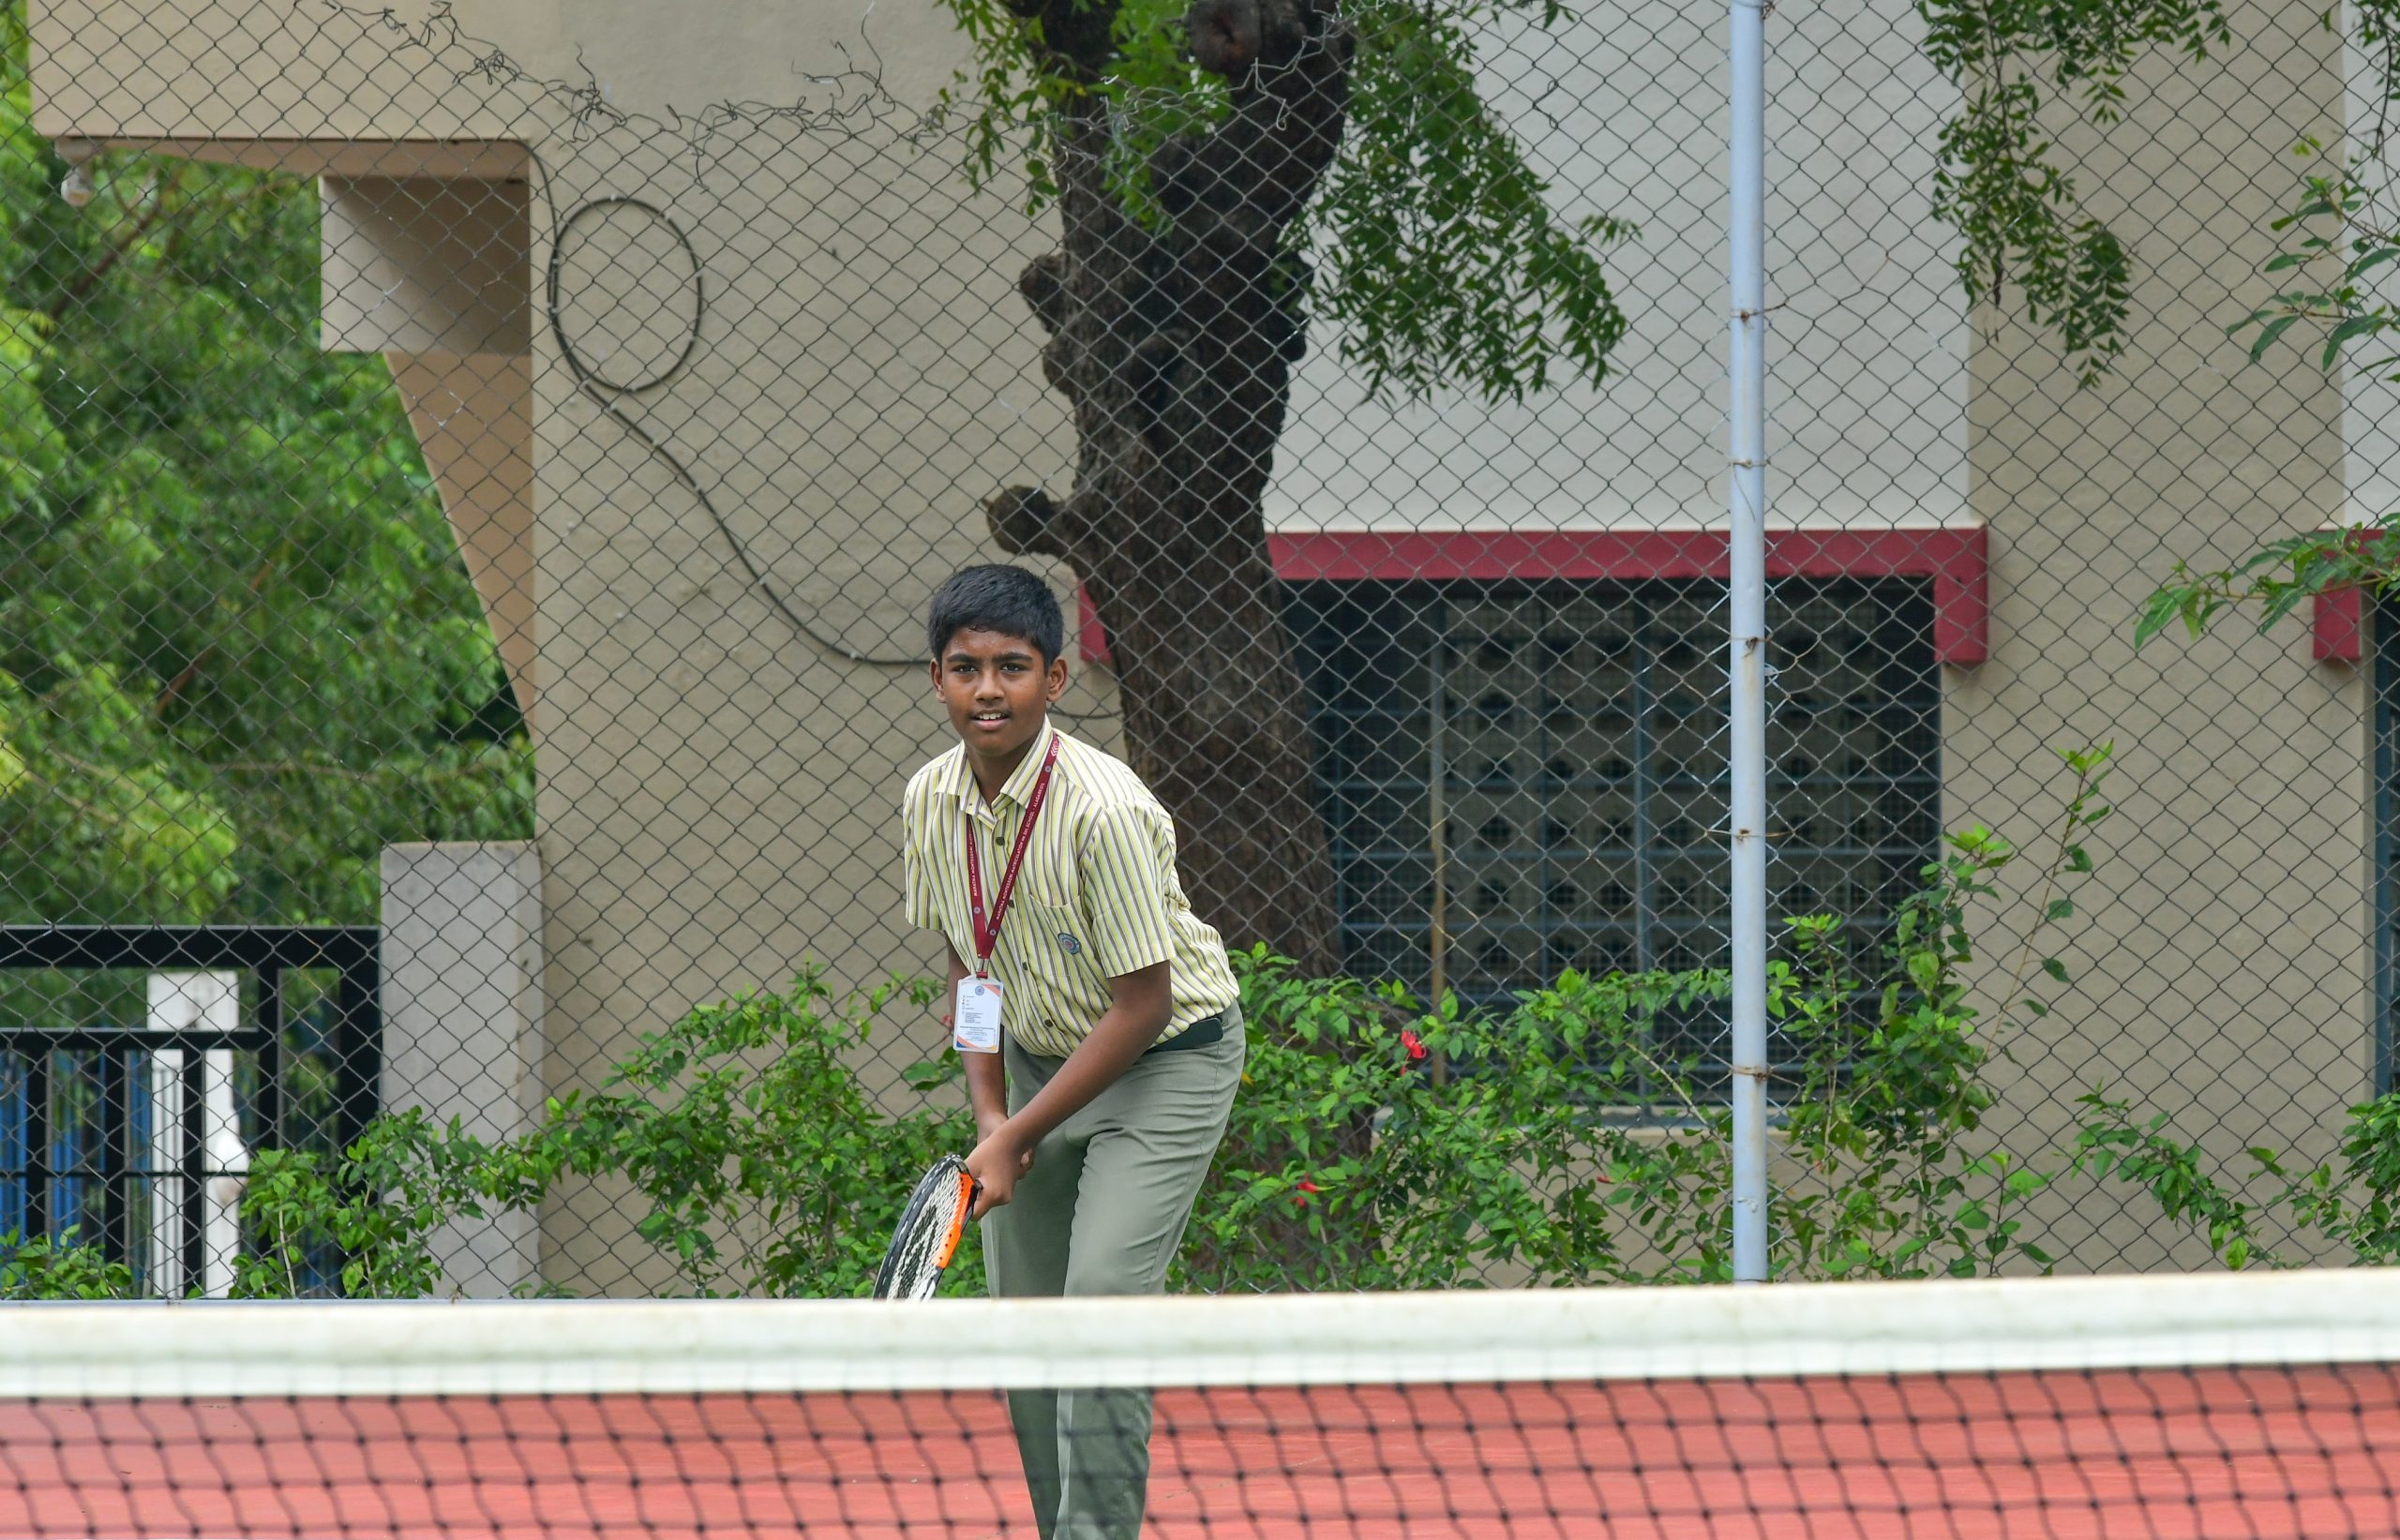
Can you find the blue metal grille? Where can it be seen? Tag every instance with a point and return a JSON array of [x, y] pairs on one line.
[[94, 1109], [78, 1102]]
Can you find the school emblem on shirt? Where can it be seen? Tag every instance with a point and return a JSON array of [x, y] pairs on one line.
[[1070, 944]]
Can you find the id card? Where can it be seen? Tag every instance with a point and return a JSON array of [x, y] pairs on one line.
[[976, 1021]]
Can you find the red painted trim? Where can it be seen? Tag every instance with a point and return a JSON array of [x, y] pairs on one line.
[[1957, 560], [1091, 638], [2337, 619], [2337, 627]]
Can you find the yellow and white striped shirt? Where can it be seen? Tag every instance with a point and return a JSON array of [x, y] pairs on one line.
[[1098, 896]]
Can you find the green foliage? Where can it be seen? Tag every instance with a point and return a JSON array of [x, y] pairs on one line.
[[2354, 1205], [61, 1268], [761, 1163], [1505, 1164], [1444, 261], [2001, 184], [2335, 276], [2112, 1144], [2278, 578], [1570, 1147], [1377, 1143], [2340, 238], [2359, 1206], [766, 1166], [376, 1206], [238, 651]]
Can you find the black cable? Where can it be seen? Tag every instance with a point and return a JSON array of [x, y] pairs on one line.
[[605, 393], [592, 114]]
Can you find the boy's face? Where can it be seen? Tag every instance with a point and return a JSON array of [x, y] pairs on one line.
[[997, 689]]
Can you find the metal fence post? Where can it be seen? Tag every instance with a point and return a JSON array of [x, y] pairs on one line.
[[1748, 708]]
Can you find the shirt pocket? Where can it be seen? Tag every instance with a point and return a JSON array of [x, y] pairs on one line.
[[1056, 939], [1049, 882]]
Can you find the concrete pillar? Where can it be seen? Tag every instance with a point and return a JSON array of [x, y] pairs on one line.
[[462, 1022]]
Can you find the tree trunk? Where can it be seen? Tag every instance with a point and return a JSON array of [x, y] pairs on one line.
[[1175, 347]]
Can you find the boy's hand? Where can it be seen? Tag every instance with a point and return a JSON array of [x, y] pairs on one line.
[[995, 1165]]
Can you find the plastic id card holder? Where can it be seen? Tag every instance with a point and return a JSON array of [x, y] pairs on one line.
[[976, 1021]]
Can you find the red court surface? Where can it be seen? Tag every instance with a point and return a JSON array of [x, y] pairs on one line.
[[2249, 1452]]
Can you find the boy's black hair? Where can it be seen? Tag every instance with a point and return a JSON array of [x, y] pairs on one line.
[[1009, 601]]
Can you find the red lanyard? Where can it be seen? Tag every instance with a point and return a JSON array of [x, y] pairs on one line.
[[987, 936]]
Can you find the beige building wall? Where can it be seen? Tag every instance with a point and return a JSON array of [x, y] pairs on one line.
[[1623, 114], [717, 768], [2370, 398], [2220, 953], [720, 747]]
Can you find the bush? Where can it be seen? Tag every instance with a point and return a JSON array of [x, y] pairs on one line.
[[1566, 1146], [1378, 1143], [63, 1268], [764, 1166], [1349, 1164]]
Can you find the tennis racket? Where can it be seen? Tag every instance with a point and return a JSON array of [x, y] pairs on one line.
[[927, 1237]]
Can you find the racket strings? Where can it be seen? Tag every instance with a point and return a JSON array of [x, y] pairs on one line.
[[927, 1233]]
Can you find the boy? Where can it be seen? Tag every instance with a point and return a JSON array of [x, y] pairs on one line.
[[1101, 1083]]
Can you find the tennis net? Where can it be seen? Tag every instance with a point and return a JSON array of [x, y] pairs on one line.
[[2189, 1406]]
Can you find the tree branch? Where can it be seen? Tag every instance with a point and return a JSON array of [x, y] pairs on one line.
[[182, 681], [168, 183], [1024, 522], [1080, 36], [1044, 284], [1261, 165], [89, 279]]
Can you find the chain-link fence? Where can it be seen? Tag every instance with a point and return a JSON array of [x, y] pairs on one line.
[[474, 476]]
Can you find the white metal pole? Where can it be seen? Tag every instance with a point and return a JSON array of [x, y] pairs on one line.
[[187, 1002], [1746, 738]]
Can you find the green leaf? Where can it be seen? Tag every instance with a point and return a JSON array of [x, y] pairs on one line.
[[2353, 326], [2267, 335]]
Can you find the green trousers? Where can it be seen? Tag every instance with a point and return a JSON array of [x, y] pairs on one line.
[[1101, 1212]]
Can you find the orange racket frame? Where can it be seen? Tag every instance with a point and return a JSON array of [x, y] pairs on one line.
[[958, 1211]]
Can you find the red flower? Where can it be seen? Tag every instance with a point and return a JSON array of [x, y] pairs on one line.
[[1300, 1197], [1414, 1044]]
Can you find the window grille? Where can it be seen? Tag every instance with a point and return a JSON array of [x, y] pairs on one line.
[[1577, 774]]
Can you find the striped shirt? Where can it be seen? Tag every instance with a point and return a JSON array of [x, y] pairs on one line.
[[1098, 896]]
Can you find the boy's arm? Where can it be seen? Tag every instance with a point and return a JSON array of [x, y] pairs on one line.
[[1140, 1004]]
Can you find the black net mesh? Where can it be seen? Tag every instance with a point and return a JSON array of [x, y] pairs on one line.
[[472, 478]]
